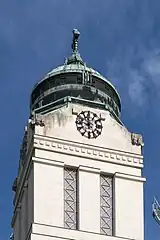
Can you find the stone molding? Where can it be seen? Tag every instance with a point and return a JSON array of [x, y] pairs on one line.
[[86, 151], [129, 177]]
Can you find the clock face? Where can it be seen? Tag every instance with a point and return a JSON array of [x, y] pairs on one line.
[[89, 124]]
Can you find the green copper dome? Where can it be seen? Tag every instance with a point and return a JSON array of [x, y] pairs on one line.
[[78, 82]]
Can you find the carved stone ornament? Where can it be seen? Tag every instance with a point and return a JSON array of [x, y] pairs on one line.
[[12, 236], [14, 187], [23, 150], [36, 120], [137, 139]]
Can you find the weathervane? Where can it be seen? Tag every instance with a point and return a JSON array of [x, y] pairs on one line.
[[76, 34]]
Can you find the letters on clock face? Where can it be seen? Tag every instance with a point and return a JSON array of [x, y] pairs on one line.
[[89, 124]]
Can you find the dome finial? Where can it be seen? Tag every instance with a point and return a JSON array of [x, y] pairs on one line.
[[75, 57], [76, 34]]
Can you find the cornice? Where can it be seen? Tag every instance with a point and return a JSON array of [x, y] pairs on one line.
[[88, 151]]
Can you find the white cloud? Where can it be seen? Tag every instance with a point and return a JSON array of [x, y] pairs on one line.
[[152, 67], [136, 89]]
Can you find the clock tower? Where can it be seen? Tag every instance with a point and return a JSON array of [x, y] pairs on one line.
[[80, 169]]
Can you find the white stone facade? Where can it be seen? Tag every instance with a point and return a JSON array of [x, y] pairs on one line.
[[39, 199]]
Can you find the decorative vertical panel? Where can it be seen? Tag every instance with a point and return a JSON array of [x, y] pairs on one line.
[[26, 209], [106, 194], [70, 198], [19, 223]]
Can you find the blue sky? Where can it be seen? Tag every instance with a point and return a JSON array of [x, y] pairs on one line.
[[119, 38]]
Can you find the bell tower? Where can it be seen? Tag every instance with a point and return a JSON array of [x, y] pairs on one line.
[[80, 169]]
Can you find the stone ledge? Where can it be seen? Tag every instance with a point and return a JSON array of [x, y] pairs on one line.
[[129, 177], [89, 169], [86, 151], [47, 162], [63, 233]]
